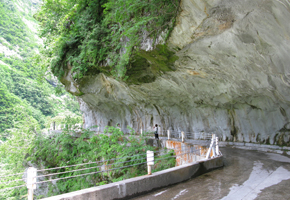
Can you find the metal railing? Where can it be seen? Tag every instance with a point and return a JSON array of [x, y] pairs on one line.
[[176, 134], [171, 134], [33, 177]]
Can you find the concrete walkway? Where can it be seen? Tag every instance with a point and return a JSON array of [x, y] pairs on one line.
[[246, 175]]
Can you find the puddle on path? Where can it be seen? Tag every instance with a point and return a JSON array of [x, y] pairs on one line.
[[259, 179]]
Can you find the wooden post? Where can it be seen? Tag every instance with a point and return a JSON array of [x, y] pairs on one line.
[[31, 181], [141, 131], [150, 161], [168, 134], [53, 126]]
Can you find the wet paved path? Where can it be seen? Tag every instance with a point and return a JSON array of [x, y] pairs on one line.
[[246, 175]]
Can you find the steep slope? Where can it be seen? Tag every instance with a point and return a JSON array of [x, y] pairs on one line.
[[23, 100], [231, 76]]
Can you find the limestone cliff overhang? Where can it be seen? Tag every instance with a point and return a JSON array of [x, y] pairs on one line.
[[229, 74]]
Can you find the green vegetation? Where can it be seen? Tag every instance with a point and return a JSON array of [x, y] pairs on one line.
[[64, 149], [94, 36], [22, 95], [13, 31], [91, 36], [12, 157], [145, 66]]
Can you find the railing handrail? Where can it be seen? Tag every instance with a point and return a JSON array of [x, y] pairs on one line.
[[31, 184], [182, 149]]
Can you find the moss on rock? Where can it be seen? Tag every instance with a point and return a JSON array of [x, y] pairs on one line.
[[146, 66]]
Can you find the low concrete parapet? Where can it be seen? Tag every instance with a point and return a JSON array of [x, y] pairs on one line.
[[259, 147], [143, 184]]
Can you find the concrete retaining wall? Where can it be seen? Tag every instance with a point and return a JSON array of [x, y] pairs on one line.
[[143, 184], [258, 147], [186, 152]]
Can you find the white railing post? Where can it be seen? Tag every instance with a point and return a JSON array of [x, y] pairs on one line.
[[141, 131], [98, 129], [150, 161], [168, 134], [217, 146], [213, 149], [209, 150], [182, 136], [31, 181]]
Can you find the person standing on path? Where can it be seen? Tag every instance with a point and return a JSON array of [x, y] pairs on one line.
[[156, 131]]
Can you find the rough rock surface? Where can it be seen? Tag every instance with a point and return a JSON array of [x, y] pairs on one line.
[[232, 76]]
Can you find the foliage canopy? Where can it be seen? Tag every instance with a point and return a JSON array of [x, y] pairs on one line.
[[98, 35]]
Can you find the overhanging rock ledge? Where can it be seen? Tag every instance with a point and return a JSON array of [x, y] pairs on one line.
[[232, 76]]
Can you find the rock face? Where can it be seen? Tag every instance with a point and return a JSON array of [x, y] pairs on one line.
[[232, 76]]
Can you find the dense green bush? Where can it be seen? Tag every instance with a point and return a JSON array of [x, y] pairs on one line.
[[112, 149], [12, 158], [90, 34]]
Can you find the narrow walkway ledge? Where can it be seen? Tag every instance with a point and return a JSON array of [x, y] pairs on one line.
[[143, 184]]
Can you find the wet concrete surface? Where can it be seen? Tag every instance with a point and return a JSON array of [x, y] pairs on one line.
[[246, 175]]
